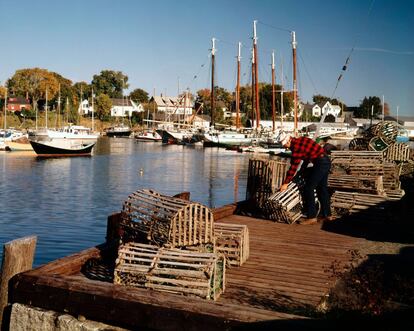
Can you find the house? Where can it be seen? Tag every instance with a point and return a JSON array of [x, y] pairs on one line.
[[125, 107], [18, 104], [327, 108], [199, 121], [173, 105], [85, 108]]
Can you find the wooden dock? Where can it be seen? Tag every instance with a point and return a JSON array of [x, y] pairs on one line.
[[284, 279]]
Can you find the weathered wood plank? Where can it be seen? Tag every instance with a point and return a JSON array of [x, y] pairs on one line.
[[18, 257]]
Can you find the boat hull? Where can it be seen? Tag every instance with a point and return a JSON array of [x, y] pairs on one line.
[[47, 149], [118, 133]]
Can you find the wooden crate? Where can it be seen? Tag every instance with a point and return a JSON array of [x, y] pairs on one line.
[[363, 184], [171, 270], [368, 205], [265, 178], [153, 218], [286, 206], [232, 240], [398, 152], [358, 163]]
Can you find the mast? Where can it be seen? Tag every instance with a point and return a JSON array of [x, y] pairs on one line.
[[93, 111], [5, 110], [282, 107], [46, 107], [295, 96], [67, 111], [58, 114], [273, 91], [256, 74], [213, 52], [253, 90], [238, 89]]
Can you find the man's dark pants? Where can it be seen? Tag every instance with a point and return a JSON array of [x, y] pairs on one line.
[[317, 178]]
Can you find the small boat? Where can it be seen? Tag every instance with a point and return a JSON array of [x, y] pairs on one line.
[[148, 135], [118, 131], [61, 147], [226, 139]]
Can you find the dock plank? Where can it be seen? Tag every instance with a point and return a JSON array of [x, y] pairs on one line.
[[284, 278]]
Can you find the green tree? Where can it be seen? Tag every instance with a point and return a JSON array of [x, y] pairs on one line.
[[35, 82], [109, 82], [103, 107], [365, 107], [139, 95]]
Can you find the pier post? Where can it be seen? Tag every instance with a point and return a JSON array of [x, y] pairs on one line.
[[18, 257]]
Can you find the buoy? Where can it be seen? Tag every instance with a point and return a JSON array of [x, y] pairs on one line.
[[141, 171]]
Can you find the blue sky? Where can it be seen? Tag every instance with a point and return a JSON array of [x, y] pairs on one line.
[[164, 45]]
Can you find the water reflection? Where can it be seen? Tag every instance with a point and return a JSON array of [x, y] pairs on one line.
[[66, 201]]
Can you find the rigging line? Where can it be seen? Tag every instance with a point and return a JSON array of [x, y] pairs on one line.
[[275, 27], [307, 72], [344, 67], [202, 66]]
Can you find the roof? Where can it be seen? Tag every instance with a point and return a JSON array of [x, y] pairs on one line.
[[18, 100]]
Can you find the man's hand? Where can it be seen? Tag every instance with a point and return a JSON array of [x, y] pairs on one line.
[[283, 187]]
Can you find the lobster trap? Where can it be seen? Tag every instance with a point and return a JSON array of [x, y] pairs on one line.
[[287, 206], [171, 270], [264, 178], [232, 240], [152, 218]]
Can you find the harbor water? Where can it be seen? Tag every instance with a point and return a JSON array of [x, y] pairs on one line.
[[65, 201]]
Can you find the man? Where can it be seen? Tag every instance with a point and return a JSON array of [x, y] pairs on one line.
[[306, 150]]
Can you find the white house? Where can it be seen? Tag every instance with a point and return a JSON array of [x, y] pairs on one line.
[[125, 107], [173, 105], [327, 108], [85, 108]]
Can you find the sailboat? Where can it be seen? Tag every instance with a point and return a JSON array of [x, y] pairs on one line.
[[69, 141]]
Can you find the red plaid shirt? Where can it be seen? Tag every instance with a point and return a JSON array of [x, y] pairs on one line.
[[303, 149]]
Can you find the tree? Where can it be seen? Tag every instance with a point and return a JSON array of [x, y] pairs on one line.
[[65, 89], [34, 82], [80, 91], [109, 82], [103, 106], [139, 95], [365, 108]]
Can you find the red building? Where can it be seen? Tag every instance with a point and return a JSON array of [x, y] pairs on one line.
[[18, 104]]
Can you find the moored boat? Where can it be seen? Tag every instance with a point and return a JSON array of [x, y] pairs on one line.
[[118, 131], [148, 135], [61, 147]]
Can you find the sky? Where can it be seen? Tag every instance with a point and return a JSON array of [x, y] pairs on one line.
[[164, 46]]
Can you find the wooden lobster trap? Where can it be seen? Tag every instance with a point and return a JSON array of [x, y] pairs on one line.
[[286, 206], [264, 178], [171, 270], [153, 218], [232, 240], [361, 204], [398, 152], [367, 184]]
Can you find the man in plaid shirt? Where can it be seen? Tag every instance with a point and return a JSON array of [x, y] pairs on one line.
[[308, 151]]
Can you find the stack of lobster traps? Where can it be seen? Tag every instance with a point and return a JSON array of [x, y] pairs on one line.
[[364, 180], [172, 244]]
